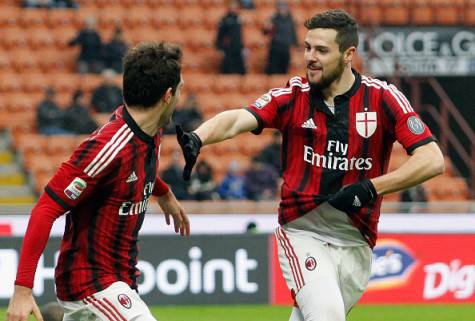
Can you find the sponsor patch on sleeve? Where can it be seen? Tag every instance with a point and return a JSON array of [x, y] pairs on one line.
[[415, 125], [262, 101], [75, 188]]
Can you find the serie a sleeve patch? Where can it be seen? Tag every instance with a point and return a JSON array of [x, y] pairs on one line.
[[75, 188]]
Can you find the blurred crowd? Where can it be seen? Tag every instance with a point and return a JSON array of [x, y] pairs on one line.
[[77, 117]]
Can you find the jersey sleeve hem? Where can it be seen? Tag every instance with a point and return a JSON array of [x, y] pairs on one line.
[[57, 199], [420, 143], [260, 122]]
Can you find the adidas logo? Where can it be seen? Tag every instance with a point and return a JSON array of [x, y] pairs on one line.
[[132, 178], [356, 202], [309, 124]]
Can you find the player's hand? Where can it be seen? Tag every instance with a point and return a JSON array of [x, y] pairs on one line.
[[171, 207], [22, 304], [190, 145], [352, 198]]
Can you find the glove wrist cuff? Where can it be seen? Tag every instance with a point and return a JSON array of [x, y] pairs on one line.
[[371, 189], [197, 139]]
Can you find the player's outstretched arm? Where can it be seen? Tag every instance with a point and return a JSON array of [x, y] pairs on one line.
[[226, 125], [22, 304], [171, 207], [223, 126]]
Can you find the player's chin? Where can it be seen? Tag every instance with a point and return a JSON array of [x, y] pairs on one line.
[[314, 76]]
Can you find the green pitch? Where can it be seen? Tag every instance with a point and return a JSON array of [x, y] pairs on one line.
[[281, 313]]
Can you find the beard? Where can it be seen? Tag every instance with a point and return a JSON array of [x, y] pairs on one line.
[[327, 79]]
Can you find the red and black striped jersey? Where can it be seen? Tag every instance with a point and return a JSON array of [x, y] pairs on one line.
[[323, 151], [105, 187]]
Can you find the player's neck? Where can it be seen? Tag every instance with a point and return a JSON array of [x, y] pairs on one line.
[[339, 86], [148, 120]]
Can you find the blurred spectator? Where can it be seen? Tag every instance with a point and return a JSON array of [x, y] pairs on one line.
[[107, 96], [49, 4], [114, 51], [38, 4], [52, 311], [49, 116], [229, 41], [202, 184], [70, 4], [247, 4], [77, 117], [414, 199], [271, 153], [173, 176], [261, 181], [281, 28], [90, 60], [187, 115], [233, 185]]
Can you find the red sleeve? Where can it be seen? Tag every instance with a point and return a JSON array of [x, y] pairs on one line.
[[409, 129], [160, 188], [43, 215], [267, 108]]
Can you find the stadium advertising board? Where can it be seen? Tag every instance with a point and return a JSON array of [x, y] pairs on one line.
[[425, 51], [411, 268], [196, 270]]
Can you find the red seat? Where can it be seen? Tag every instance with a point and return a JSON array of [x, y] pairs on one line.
[[9, 83], [139, 17], [448, 12], [9, 16], [254, 84], [198, 83], [33, 82], [226, 84], [192, 17], [41, 38], [422, 13], [33, 18], [57, 19], [13, 38], [165, 16], [198, 39]]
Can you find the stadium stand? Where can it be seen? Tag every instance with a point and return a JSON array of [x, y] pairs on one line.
[[34, 54]]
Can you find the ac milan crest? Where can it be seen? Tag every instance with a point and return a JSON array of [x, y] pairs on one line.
[[125, 301], [366, 123], [310, 263]]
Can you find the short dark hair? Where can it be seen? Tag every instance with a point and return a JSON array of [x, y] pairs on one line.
[[149, 70], [341, 21]]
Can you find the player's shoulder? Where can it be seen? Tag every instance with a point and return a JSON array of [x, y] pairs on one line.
[[376, 83], [299, 83], [114, 133], [293, 86]]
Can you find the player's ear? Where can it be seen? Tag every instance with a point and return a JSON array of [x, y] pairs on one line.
[[168, 95], [349, 54]]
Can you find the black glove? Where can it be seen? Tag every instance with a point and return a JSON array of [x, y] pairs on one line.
[[352, 198], [190, 145]]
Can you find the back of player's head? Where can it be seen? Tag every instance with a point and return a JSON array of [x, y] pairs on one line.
[[342, 22], [52, 311], [149, 70]]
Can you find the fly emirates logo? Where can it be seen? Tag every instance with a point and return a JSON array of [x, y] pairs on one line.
[[131, 208], [336, 158]]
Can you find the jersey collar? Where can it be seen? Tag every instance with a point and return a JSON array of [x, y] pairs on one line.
[[317, 97], [135, 128]]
